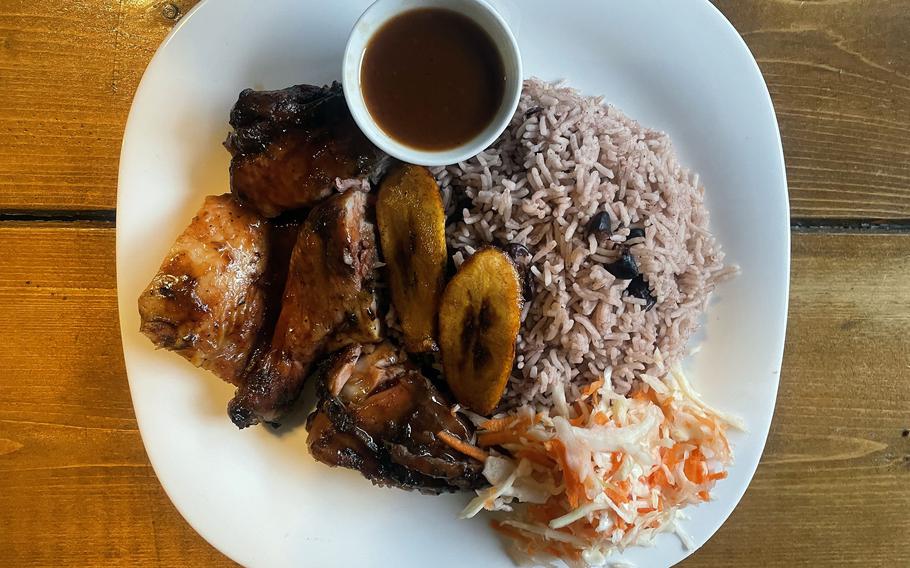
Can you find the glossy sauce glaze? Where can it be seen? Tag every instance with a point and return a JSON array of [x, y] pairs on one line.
[[432, 78]]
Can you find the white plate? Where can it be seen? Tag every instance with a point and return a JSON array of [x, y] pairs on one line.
[[258, 496]]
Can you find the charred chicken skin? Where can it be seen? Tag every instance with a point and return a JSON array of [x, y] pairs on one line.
[[383, 418], [328, 303], [279, 275], [288, 146]]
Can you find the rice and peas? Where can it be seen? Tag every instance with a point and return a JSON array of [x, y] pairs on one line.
[[606, 439]]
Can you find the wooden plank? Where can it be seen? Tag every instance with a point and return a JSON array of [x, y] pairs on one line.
[[833, 487], [839, 75], [68, 71], [76, 487]]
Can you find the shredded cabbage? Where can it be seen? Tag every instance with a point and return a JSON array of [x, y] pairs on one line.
[[605, 472]]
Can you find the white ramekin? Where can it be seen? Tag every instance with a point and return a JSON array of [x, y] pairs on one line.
[[488, 19]]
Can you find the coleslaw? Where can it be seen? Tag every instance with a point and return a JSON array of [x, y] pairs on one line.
[[603, 473]]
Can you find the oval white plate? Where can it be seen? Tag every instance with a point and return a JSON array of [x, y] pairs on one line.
[[258, 496]]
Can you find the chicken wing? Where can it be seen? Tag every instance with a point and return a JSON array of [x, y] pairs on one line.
[[210, 298], [288, 146], [328, 303], [383, 418]]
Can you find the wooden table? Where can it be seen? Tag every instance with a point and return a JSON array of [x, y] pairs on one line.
[[833, 488]]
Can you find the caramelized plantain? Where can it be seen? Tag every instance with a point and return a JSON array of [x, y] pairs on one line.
[[412, 232], [479, 316]]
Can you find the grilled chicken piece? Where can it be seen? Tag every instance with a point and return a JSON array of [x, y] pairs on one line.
[[382, 417], [288, 146], [209, 299], [328, 303]]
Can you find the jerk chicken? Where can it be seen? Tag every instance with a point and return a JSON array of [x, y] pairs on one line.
[[209, 300], [288, 146], [276, 280], [328, 303], [383, 418]]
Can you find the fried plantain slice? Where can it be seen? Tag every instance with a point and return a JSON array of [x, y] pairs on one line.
[[479, 317], [412, 232]]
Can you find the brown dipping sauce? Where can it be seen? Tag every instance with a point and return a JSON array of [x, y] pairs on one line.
[[432, 78]]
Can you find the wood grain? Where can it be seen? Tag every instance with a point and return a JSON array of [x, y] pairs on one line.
[[839, 75], [838, 71], [833, 488], [68, 71], [76, 488]]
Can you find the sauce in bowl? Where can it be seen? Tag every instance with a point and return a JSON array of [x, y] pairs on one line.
[[432, 79]]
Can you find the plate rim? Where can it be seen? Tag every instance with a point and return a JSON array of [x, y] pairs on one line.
[[781, 321]]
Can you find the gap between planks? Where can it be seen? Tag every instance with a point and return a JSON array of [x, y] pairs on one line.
[[104, 216], [108, 217]]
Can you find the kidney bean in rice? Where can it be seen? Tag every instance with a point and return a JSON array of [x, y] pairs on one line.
[[564, 159]]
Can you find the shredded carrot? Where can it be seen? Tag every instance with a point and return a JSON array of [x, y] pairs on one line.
[[716, 476], [575, 490], [461, 446], [592, 388], [616, 496], [695, 468], [534, 456], [497, 424], [642, 395], [651, 397], [674, 455], [681, 476], [619, 495], [577, 421], [659, 479]]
